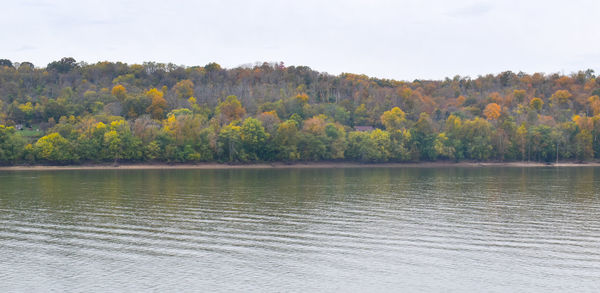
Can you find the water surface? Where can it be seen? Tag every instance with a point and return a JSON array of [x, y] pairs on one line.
[[299, 230]]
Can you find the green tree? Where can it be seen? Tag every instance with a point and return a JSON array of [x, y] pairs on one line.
[[361, 147], [361, 115], [476, 137], [423, 139], [254, 137], [336, 137], [286, 141], [584, 145], [11, 145], [230, 143]]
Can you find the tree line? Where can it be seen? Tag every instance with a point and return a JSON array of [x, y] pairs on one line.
[[71, 113]]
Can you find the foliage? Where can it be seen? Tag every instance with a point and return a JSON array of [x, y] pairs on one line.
[[71, 112]]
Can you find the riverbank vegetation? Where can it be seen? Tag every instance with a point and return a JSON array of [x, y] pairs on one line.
[[75, 113]]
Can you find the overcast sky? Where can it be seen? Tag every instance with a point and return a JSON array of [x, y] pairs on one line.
[[403, 40]]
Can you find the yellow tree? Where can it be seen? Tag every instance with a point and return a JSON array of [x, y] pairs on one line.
[[119, 92], [561, 97], [536, 104], [159, 104], [393, 119]]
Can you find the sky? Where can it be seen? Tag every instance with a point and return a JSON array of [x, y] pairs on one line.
[[403, 40]]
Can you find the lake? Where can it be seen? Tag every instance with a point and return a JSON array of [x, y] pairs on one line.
[[301, 230]]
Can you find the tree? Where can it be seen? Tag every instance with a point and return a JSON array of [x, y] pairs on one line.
[[254, 137], [522, 140], [476, 137], [393, 119], [382, 145], [119, 92], [541, 143], [519, 95], [64, 65], [452, 142], [362, 147], [54, 148], [594, 104], [11, 145], [231, 109], [270, 121], [315, 125], [184, 89], [336, 136], [159, 104], [561, 97], [120, 144], [492, 111], [423, 138], [536, 104], [488, 117], [444, 147], [114, 144], [230, 144], [212, 67], [361, 116], [6, 62], [286, 140], [584, 146]]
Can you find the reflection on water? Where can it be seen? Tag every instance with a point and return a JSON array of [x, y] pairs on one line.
[[382, 229]]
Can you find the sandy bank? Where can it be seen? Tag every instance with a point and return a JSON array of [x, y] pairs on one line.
[[215, 166]]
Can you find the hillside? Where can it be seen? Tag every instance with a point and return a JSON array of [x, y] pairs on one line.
[[72, 113]]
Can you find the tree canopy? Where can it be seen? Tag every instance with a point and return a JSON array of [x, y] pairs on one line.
[[71, 112]]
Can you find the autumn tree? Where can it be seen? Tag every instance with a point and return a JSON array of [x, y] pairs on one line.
[[119, 92], [393, 119], [492, 111], [159, 104], [270, 121], [231, 109], [536, 104], [184, 89], [561, 97], [594, 104], [54, 148]]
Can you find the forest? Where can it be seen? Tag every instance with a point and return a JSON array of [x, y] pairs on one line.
[[71, 112]]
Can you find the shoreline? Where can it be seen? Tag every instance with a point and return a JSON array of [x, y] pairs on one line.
[[300, 165]]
